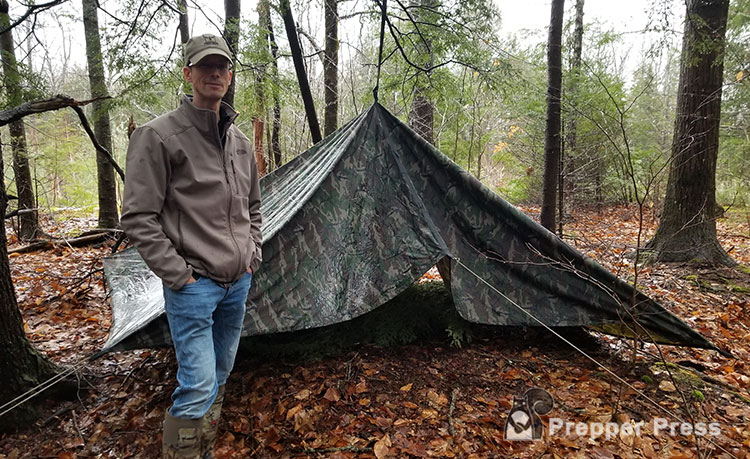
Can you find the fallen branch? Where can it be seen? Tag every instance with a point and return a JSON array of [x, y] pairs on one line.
[[350, 448], [75, 242], [40, 106], [55, 103]]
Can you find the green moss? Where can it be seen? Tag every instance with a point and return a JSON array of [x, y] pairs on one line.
[[647, 379]]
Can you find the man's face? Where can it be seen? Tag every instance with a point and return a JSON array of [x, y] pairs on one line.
[[210, 78]]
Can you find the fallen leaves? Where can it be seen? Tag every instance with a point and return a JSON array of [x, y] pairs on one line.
[[393, 403]]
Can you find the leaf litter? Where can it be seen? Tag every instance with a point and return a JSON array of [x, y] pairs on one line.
[[422, 400]]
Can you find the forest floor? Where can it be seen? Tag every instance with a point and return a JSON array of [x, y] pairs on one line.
[[423, 399]]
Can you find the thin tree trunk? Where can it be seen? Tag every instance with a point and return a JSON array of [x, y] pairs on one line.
[[331, 67], [232, 36], [687, 228], [552, 134], [22, 366], [568, 152], [273, 47], [28, 215], [105, 174], [299, 67]]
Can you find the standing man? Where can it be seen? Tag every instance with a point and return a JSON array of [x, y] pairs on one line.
[[192, 210]]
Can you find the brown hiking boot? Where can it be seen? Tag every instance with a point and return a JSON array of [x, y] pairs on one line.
[[211, 425], [181, 439]]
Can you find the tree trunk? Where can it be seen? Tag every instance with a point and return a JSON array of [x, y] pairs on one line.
[[299, 67], [184, 24], [331, 67], [687, 228], [232, 36], [108, 216], [275, 132], [422, 113], [568, 153], [552, 134], [28, 215], [21, 367]]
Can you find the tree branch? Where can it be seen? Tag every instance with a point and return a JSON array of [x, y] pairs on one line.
[[32, 9], [55, 103], [97, 145]]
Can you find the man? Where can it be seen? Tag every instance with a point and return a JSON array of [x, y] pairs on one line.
[[192, 209]]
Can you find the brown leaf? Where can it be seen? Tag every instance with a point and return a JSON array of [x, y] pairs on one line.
[[667, 386], [303, 394], [406, 388], [382, 447], [332, 395]]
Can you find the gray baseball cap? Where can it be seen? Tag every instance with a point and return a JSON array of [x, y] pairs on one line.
[[204, 45]]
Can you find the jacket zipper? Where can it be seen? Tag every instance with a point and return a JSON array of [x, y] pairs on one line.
[[230, 200]]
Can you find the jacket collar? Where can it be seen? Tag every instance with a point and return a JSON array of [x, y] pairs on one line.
[[206, 121]]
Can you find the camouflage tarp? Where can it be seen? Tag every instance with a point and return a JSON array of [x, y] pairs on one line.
[[355, 220]]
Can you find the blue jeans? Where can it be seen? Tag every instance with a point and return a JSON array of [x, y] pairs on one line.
[[205, 320]]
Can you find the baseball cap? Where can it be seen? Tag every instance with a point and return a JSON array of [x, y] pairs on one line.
[[201, 46]]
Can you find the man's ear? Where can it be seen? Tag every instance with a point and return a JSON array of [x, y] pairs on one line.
[[187, 72]]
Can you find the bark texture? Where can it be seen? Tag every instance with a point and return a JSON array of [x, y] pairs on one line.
[[28, 215], [184, 24], [21, 367], [106, 186], [331, 67], [687, 228], [422, 112], [232, 36], [552, 134]]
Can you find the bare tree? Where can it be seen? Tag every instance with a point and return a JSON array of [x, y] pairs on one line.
[[552, 134], [264, 12], [299, 67], [568, 153]]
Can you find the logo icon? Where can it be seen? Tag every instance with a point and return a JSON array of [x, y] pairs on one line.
[[524, 423], [209, 40]]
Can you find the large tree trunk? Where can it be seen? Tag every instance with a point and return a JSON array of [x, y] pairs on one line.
[[108, 216], [21, 367], [552, 134], [28, 215], [331, 67], [232, 36], [299, 67], [687, 228]]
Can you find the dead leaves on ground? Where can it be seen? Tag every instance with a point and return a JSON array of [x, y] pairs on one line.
[[421, 401]]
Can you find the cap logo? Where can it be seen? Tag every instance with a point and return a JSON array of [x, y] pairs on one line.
[[210, 40]]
